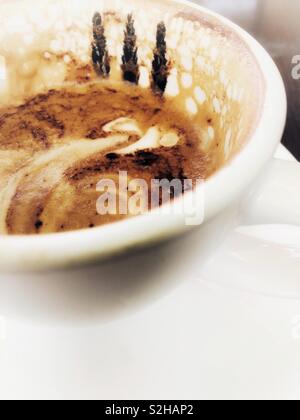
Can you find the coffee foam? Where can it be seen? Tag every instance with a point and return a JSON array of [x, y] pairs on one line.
[[76, 136]]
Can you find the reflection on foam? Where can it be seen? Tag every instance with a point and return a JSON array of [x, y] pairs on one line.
[[149, 141], [127, 125]]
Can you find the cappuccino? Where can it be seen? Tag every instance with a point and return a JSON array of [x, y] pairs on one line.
[[164, 93]]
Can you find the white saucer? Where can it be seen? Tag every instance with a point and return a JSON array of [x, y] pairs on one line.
[[171, 322]]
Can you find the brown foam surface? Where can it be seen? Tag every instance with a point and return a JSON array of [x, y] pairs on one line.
[[57, 146]]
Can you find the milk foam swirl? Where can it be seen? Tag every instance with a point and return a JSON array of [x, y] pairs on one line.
[[57, 146]]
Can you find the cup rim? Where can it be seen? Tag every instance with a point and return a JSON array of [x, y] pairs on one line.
[[83, 246]]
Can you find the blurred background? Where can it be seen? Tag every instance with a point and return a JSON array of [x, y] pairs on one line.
[[275, 23]]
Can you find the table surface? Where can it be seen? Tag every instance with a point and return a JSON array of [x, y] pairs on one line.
[[275, 23]]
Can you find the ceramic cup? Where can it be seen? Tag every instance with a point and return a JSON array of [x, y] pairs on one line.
[[221, 77]]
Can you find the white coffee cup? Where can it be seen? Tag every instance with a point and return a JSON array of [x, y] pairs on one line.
[[277, 190]]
